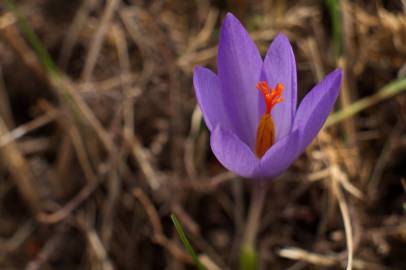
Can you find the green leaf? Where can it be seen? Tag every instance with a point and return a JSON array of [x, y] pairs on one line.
[[334, 9], [32, 38], [186, 242]]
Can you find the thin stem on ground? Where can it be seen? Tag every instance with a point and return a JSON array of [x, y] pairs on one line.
[[248, 253], [254, 214]]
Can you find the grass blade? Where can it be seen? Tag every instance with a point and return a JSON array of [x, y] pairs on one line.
[[32, 38], [334, 9], [186, 242], [388, 91]]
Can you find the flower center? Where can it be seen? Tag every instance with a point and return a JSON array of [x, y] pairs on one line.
[[266, 127]]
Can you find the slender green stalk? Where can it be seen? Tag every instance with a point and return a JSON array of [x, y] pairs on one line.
[[186, 242], [32, 38], [386, 92], [248, 253], [334, 9], [61, 84]]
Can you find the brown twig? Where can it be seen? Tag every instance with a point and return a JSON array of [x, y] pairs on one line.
[[96, 246], [5, 108], [28, 127], [17, 239], [67, 209], [72, 35], [49, 248], [325, 260], [21, 172], [97, 43]]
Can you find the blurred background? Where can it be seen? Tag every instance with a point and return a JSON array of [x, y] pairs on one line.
[[101, 139]]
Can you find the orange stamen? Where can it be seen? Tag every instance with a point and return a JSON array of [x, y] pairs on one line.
[[271, 96], [266, 129], [265, 135]]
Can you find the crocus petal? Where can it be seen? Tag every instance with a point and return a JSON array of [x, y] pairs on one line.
[[232, 152], [208, 94], [280, 67], [239, 67], [279, 157], [316, 106]]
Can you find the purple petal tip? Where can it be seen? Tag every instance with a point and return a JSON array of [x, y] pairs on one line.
[[339, 73], [229, 16], [230, 21], [337, 78], [196, 68], [281, 36]]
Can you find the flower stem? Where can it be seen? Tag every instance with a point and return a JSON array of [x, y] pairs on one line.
[[248, 255]]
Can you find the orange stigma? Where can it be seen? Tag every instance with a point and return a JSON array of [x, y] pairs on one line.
[[271, 96], [266, 128]]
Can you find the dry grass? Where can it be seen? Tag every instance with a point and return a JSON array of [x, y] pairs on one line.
[[92, 163]]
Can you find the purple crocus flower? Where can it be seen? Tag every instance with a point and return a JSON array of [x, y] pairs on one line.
[[258, 134]]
